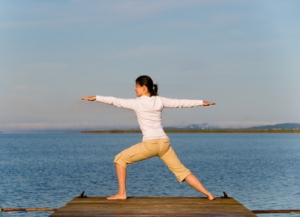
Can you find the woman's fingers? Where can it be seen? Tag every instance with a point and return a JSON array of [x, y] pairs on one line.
[[206, 103], [89, 98]]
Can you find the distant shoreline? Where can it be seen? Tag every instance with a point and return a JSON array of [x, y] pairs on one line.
[[198, 131]]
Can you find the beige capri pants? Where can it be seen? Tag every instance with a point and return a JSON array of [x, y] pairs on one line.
[[150, 148]]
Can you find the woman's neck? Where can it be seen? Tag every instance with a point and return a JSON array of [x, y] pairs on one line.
[[147, 95]]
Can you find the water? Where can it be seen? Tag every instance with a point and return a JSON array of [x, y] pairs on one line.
[[48, 170]]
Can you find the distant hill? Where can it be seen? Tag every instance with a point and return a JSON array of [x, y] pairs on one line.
[[284, 126], [205, 126]]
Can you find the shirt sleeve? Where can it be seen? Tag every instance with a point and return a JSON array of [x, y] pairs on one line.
[[180, 103], [122, 103]]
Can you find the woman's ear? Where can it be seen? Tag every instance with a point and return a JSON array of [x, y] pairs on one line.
[[145, 88]]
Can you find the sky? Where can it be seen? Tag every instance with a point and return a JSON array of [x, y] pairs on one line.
[[243, 55]]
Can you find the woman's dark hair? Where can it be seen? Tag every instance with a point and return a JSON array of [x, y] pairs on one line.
[[147, 81]]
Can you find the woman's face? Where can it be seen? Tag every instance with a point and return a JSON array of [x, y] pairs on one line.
[[141, 90]]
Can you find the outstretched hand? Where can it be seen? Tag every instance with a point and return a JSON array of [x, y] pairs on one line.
[[205, 103], [89, 98]]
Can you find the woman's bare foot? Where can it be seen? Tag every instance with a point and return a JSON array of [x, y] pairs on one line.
[[117, 197], [193, 181], [210, 196]]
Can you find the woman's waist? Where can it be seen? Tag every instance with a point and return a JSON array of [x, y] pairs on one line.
[[150, 134], [156, 139]]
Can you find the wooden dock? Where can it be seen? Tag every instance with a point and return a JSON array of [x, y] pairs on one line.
[[153, 207]]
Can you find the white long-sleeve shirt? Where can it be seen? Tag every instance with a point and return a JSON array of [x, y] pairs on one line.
[[149, 111]]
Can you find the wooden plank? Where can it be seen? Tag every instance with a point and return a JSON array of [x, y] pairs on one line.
[[153, 206]]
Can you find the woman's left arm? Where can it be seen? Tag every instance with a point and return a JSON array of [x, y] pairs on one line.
[[206, 103], [184, 103]]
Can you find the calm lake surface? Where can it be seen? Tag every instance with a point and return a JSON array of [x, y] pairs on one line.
[[262, 171]]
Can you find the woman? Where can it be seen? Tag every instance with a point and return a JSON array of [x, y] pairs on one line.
[[148, 107]]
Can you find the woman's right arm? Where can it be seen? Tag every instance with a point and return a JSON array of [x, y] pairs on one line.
[[122, 103], [89, 98]]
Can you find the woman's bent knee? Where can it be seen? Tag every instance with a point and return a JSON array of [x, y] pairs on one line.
[[118, 160], [181, 177], [174, 164]]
